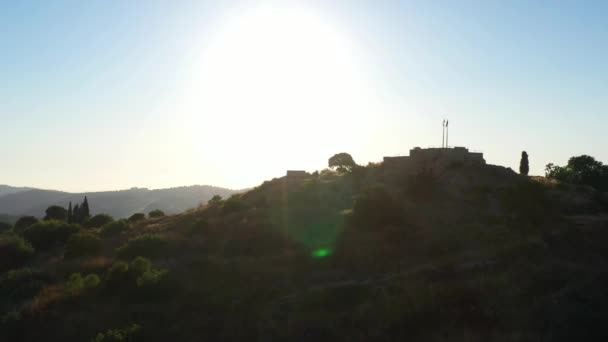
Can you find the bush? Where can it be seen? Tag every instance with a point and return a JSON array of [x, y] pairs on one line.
[[140, 265], [76, 283], [14, 252], [148, 245], [151, 277], [156, 213], [137, 217], [24, 222], [47, 234], [118, 275], [22, 283], [233, 204], [118, 335], [82, 244], [98, 220], [114, 228], [56, 212]]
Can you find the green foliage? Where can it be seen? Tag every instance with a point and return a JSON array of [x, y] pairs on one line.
[[156, 213], [140, 265], [216, 200], [114, 228], [56, 212], [5, 227], [524, 165], [14, 252], [137, 217], [117, 276], [98, 220], [233, 204], [127, 334], [581, 170], [24, 222], [151, 277], [342, 162], [147, 245], [76, 283], [22, 283], [82, 244], [47, 234]]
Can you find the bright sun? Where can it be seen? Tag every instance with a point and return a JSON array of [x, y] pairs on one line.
[[280, 87]]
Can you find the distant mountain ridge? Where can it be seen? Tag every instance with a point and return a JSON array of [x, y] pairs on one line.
[[7, 189], [121, 203]]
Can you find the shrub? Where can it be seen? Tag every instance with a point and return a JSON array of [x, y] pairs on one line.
[[148, 245], [47, 234], [76, 283], [91, 281], [137, 217], [233, 204], [156, 213], [140, 265], [118, 275], [151, 277], [82, 244], [22, 283], [24, 222], [14, 252], [118, 335], [56, 212], [98, 220], [114, 228]]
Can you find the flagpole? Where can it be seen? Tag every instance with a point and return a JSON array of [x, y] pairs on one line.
[[447, 134], [442, 133]]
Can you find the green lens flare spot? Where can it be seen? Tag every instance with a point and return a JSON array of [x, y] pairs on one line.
[[321, 253]]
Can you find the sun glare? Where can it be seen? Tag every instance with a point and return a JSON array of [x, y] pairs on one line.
[[282, 80]]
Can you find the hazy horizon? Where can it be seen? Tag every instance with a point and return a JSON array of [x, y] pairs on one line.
[[109, 95]]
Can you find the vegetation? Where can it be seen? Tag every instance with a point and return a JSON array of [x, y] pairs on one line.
[[24, 222], [82, 244], [581, 170], [14, 252], [524, 165], [56, 212], [342, 162], [48, 234], [98, 221], [466, 254], [156, 213], [136, 217]]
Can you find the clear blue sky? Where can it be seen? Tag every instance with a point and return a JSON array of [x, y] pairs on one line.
[[99, 95]]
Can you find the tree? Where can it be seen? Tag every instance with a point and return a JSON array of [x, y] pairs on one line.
[[156, 213], [215, 200], [70, 216], [76, 214], [582, 170], [98, 220], [24, 222], [136, 217], [56, 212], [85, 209], [342, 162], [524, 166]]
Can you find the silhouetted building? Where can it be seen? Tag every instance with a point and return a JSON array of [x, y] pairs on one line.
[[434, 159]]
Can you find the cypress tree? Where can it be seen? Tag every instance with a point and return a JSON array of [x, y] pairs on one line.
[[76, 214], [70, 213], [85, 209], [524, 166]]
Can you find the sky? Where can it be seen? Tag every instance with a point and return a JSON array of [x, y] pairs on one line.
[[106, 95]]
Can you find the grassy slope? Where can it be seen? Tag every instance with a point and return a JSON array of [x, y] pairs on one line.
[[471, 255]]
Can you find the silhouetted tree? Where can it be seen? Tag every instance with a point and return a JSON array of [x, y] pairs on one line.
[[56, 212], [24, 222], [76, 214], [70, 213], [524, 166], [342, 162], [584, 170], [86, 213], [156, 213], [215, 200]]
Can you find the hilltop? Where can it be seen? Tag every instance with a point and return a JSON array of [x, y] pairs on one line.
[[471, 253]]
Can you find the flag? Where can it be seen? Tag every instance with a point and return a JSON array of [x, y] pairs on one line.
[[446, 123]]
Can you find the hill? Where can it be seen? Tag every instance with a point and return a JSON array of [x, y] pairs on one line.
[[6, 189], [119, 204], [476, 253]]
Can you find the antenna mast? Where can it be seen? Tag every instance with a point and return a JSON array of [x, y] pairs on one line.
[[442, 133], [447, 132]]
